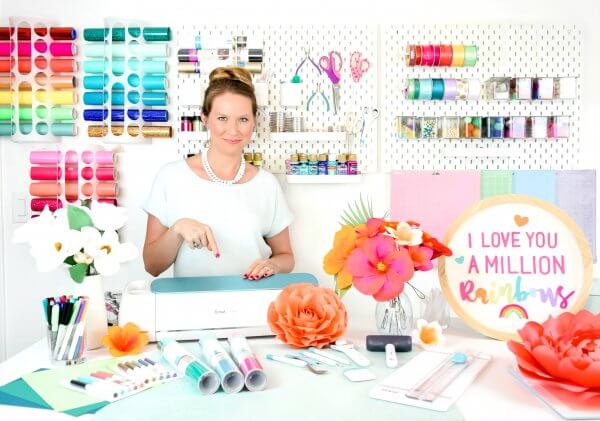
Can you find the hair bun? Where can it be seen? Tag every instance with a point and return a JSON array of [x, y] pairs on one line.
[[231, 73]]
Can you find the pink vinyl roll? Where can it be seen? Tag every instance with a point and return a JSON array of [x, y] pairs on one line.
[[71, 190], [450, 89], [111, 201], [87, 189], [45, 189], [45, 173], [427, 55], [87, 173], [71, 173], [45, 157], [87, 157], [105, 173], [6, 48], [106, 189], [105, 158], [40, 46], [63, 49], [37, 205], [71, 158], [436, 55]]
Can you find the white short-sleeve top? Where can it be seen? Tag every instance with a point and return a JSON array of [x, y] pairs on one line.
[[241, 217]]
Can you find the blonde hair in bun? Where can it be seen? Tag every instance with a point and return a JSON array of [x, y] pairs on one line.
[[236, 80]]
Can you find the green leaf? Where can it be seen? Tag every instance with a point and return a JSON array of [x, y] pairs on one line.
[[70, 261], [365, 210], [351, 218], [78, 218], [342, 292], [78, 272]]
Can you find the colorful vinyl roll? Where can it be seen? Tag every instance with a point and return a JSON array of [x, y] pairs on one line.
[[109, 201], [71, 158], [187, 55], [149, 115], [54, 97], [154, 98], [24, 33], [63, 65], [63, 129], [7, 112], [148, 66], [87, 157], [152, 82], [118, 34], [95, 82], [204, 378], [45, 157], [458, 55], [6, 81], [437, 92], [45, 173], [71, 173], [38, 205], [104, 158], [149, 50], [45, 189], [6, 65], [254, 376], [63, 49], [95, 115], [105, 173], [445, 55], [232, 380], [7, 129], [95, 98], [87, 189], [87, 173], [63, 81], [450, 89], [188, 67], [71, 191]]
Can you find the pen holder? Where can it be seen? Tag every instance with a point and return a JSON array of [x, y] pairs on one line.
[[67, 344]]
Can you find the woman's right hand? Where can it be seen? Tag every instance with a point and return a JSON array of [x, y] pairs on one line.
[[196, 234]]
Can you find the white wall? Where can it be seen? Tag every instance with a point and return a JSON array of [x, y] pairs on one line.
[[20, 297]]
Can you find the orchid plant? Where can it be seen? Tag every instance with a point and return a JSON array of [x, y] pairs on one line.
[[85, 239]]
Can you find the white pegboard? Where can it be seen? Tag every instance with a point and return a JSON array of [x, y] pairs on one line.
[[503, 50], [283, 51]]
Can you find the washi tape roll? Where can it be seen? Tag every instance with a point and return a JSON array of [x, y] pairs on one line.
[[45, 189], [254, 376], [418, 55], [436, 55], [450, 89], [427, 55], [437, 92], [105, 173], [95, 82], [462, 89], [45, 173], [45, 157], [445, 55], [37, 205], [470, 55], [232, 380], [425, 89], [458, 55], [205, 379], [409, 57], [410, 89]]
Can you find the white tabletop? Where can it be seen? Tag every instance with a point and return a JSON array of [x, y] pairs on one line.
[[495, 395]]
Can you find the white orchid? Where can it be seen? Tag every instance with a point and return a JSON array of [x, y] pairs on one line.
[[106, 250], [405, 235], [54, 245], [107, 217]]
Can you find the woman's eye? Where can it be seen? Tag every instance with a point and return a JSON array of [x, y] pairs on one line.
[[222, 118], [244, 119]]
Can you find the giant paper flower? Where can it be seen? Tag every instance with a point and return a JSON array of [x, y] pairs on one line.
[[333, 262], [405, 234], [107, 217], [563, 351], [379, 268], [305, 315], [106, 250], [126, 340]]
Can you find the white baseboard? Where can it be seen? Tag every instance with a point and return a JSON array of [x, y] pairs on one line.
[[3, 344]]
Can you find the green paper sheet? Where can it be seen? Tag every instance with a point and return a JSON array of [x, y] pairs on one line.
[[495, 183]]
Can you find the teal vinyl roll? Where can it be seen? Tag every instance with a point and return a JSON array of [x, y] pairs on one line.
[[157, 33], [95, 50], [154, 98], [95, 98], [152, 82], [148, 50], [148, 66], [118, 34], [95, 82], [94, 66], [118, 86], [7, 129], [25, 128], [122, 49], [63, 129], [41, 128], [133, 97], [437, 89], [425, 88], [134, 80], [118, 98]]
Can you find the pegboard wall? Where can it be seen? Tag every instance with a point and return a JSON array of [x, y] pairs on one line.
[[503, 51], [284, 48]]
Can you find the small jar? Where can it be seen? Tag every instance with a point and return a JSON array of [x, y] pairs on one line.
[[429, 127], [302, 164], [249, 158], [322, 164], [313, 164], [342, 166], [294, 164], [450, 128], [196, 123], [352, 164], [331, 166], [257, 159]]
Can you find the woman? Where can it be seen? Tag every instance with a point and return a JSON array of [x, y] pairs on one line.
[[212, 214]]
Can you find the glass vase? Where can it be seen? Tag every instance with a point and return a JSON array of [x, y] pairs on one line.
[[395, 317]]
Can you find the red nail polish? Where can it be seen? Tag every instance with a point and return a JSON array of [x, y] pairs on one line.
[[218, 255]]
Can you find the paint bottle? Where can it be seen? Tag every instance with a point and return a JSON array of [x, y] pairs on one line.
[[302, 164], [352, 164], [313, 164], [183, 126], [342, 166], [294, 164], [257, 161], [331, 166], [196, 126], [249, 158], [322, 164]]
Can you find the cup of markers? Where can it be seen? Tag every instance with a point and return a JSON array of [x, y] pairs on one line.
[[65, 319]]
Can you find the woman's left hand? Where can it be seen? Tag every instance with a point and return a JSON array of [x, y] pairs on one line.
[[261, 268]]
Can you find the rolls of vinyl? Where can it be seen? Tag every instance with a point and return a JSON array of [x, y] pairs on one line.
[[442, 89], [441, 55]]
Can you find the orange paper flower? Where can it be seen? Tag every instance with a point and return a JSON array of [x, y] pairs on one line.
[[305, 315], [126, 340], [333, 263]]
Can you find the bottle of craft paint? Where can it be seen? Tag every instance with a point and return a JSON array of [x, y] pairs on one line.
[[313, 164], [322, 164], [342, 166], [331, 167], [352, 164], [302, 164], [294, 164], [196, 126], [257, 159], [249, 158]]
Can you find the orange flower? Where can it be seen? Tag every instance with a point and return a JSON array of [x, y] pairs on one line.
[[305, 315], [126, 340], [333, 263]]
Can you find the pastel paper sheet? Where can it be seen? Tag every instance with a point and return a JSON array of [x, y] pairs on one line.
[[540, 184]]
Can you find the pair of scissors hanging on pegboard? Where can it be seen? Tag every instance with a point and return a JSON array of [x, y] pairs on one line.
[[331, 65], [358, 123]]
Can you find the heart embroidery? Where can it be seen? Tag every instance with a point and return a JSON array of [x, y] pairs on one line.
[[521, 220], [460, 260]]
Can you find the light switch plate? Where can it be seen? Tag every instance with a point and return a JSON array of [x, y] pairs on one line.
[[20, 211]]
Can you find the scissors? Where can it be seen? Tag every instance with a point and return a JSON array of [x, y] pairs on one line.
[[332, 65], [369, 115]]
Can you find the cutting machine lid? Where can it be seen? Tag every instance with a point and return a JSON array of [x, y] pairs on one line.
[[228, 283]]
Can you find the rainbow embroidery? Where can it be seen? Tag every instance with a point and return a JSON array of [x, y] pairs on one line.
[[515, 309]]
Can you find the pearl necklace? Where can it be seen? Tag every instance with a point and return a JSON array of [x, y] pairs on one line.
[[213, 177]]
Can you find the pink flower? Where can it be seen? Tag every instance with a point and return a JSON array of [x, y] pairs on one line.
[[421, 257], [379, 268], [563, 351]]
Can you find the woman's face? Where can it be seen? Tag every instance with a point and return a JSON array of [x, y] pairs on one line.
[[230, 122]]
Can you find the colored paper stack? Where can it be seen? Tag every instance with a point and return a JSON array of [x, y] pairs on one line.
[[126, 82], [37, 81]]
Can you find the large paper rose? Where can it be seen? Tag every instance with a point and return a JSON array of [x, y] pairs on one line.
[[563, 351], [305, 315]]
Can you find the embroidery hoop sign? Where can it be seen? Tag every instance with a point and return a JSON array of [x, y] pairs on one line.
[[515, 258]]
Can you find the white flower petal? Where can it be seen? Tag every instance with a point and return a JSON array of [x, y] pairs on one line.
[[106, 265], [125, 252], [108, 217]]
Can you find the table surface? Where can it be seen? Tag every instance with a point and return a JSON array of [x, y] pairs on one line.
[[295, 393]]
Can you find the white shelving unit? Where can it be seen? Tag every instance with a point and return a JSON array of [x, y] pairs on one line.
[[308, 136], [323, 179]]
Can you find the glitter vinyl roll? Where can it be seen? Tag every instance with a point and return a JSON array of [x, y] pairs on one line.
[[232, 380], [97, 131], [105, 158], [204, 378], [458, 55], [106, 189], [149, 115], [45, 189], [45, 157], [45, 173], [105, 173], [156, 131], [188, 67], [37, 205], [254, 376], [95, 115]]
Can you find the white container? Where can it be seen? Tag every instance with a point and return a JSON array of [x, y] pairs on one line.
[[290, 94], [261, 91]]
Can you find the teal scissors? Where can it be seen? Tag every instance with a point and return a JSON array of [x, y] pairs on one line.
[[332, 66]]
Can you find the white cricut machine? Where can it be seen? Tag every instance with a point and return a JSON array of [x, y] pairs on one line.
[[183, 308]]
